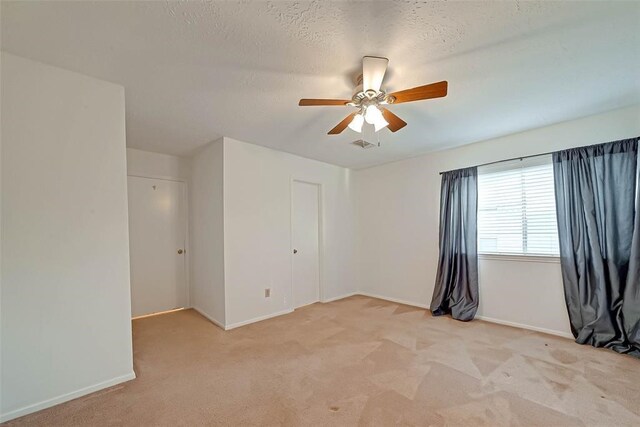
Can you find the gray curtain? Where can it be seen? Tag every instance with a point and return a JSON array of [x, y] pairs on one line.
[[598, 228], [456, 287]]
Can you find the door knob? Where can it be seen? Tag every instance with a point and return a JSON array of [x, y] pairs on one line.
[[180, 251], [295, 251]]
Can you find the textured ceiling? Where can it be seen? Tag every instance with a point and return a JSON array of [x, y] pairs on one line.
[[194, 71]]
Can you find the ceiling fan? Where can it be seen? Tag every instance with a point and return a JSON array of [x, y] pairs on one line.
[[369, 99]]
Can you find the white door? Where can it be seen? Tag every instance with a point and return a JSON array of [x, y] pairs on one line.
[[305, 238], [157, 237]]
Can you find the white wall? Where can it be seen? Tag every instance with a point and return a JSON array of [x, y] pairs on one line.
[[398, 205], [1, 59], [206, 229], [66, 327], [257, 229], [521, 292], [156, 165]]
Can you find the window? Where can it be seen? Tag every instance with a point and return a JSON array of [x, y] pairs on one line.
[[517, 208]]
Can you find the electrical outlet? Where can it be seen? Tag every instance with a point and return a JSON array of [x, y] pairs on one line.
[[267, 293]]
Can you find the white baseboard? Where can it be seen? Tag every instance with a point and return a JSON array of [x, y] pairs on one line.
[[396, 300], [485, 318], [65, 397], [209, 317], [305, 305], [258, 319], [326, 300], [523, 326]]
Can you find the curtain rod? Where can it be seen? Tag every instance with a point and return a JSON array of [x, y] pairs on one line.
[[502, 161], [637, 138]]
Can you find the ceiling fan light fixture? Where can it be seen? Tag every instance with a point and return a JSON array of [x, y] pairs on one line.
[[356, 123], [374, 116], [370, 114]]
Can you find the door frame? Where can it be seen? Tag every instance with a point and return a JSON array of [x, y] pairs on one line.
[[187, 247], [320, 187]]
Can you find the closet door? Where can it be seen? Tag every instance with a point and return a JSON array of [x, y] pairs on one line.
[[157, 238], [305, 239]]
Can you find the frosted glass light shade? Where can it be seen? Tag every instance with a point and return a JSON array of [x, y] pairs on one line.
[[356, 123], [374, 116]]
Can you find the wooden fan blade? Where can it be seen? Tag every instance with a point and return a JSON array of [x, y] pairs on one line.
[[312, 102], [434, 90], [343, 124], [373, 70], [395, 122]]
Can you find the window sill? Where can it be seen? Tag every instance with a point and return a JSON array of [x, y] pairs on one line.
[[553, 259]]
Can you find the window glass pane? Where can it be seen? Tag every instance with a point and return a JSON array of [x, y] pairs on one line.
[[516, 208]]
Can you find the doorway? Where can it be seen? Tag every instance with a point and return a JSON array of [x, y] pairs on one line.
[[305, 238], [157, 245]]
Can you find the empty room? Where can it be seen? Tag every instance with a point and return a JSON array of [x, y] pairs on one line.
[[319, 213]]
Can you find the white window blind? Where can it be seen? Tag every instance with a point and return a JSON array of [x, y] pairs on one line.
[[516, 208]]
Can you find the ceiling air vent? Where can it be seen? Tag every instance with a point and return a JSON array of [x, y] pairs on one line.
[[363, 144]]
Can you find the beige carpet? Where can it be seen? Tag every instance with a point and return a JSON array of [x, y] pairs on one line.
[[358, 361]]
